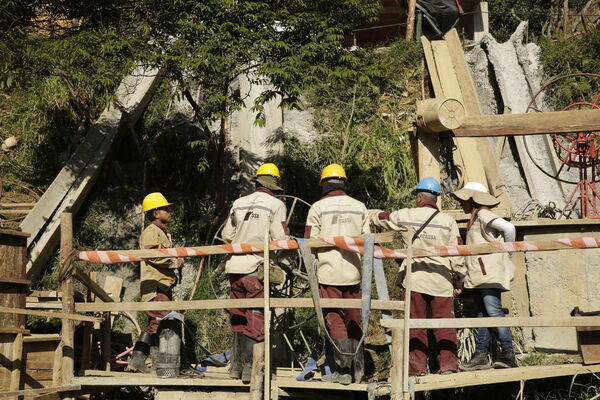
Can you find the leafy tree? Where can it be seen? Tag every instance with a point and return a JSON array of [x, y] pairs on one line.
[[291, 44]]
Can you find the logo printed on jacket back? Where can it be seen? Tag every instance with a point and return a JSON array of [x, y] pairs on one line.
[[337, 219]]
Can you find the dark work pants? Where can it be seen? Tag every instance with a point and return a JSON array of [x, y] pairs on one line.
[[155, 316], [249, 321], [342, 323], [441, 307]]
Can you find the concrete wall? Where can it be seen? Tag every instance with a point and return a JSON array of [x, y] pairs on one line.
[[560, 280]]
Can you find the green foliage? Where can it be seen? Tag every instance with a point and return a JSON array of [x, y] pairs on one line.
[[583, 57], [506, 15], [363, 124]]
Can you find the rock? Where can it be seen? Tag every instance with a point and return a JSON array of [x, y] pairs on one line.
[[9, 143]]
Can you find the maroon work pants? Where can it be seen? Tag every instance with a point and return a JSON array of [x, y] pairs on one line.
[[249, 321], [441, 307], [343, 323], [155, 316]]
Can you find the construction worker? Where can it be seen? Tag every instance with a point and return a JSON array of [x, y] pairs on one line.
[[432, 281], [487, 275], [248, 219], [338, 271], [157, 276]]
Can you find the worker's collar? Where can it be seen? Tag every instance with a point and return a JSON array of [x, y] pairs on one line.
[[428, 203], [161, 225], [337, 192], [263, 189]]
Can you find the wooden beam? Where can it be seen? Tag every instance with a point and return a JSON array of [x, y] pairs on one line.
[[490, 376], [41, 391], [74, 317], [235, 303], [530, 124], [410, 20], [91, 285], [70, 187], [492, 322]]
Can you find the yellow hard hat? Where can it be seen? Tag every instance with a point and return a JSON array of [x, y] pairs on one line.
[[153, 201], [333, 171], [268, 169]]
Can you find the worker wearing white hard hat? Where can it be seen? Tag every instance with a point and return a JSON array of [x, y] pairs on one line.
[[487, 275]]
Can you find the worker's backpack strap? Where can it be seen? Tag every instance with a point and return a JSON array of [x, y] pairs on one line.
[[418, 231]]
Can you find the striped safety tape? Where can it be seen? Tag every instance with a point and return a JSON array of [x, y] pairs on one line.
[[344, 242]]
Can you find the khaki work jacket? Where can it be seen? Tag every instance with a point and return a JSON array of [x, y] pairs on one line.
[[339, 215], [158, 273], [430, 275], [491, 270], [248, 219]]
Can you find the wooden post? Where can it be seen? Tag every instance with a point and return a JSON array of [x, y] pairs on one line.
[[17, 357], [480, 21], [406, 333], [396, 372], [267, 315], [105, 327], [410, 20], [68, 302], [258, 372], [565, 19]]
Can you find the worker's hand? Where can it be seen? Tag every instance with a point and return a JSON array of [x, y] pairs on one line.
[[457, 292]]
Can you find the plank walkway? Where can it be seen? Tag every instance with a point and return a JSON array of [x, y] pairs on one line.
[[286, 381]]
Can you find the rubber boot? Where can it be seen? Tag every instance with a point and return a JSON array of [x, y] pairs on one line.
[[477, 362], [235, 370], [141, 350], [247, 355], [506, 360], [359, 360], [344, 362]]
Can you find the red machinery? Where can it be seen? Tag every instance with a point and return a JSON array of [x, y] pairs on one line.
[[579, 150]]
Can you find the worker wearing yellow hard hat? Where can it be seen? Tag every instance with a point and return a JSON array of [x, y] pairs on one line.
[[338, 271], [157, 276], [247, 221]]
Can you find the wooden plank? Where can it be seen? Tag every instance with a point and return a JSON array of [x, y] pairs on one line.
[[57, 371], [266, 350], [106, 330], [471, 104], [16, 281], [41, 391], [42, 337], [490, 376], [67, 287], [432, 67], [74, 181], [236, 303], [468, 149], [59, 315], [258, 372], [530, 124], [91, 285], [11, 205], [14, 233], [43, 306], [113, 286], [145, 380], [397, 363], [480, 21], [17, 363], [14, 331], [492, 322]]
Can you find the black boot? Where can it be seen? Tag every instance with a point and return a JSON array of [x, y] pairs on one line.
[[343, 363], [235, 370], [247, 355], [506, 360], [359, 360], [477, 362], [141, 350]]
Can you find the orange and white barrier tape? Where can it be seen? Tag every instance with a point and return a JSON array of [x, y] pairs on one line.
[[355, 245]]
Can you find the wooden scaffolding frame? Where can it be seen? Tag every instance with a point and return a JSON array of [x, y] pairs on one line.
[[399, 386]]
